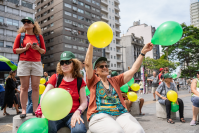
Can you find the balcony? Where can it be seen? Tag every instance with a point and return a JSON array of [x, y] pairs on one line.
[[6, 50], [117, 8], [118, 37], [117, 15], [105, 18], [105, 2], [119, 52], [118, 45], [107, 51], [119, 60], [118, 30], [119, 68], [117, 1], [117, 22], [104, 9]]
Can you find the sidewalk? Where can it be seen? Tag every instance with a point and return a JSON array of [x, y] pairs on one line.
[[149, 121]]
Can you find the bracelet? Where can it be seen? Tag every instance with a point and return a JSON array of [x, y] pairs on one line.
[[80, 111], [142, 54]]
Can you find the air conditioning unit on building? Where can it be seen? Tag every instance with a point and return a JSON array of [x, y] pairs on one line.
[[75, 2], [5, 24], [17, 5]]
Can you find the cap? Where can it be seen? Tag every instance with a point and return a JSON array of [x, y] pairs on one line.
[[28, 18], [67, 55], [114, 73], [99, 59], [160, 69], [167, 75]]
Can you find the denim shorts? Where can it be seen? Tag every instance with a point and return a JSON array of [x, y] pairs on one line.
[[195, 101]]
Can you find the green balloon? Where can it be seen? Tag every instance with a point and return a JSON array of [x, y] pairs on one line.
[[174, 76], [34, 125], [124, 88], [174, 107], [56, 104], [167, 34], [39, 99], [87, 91], [130, 82]]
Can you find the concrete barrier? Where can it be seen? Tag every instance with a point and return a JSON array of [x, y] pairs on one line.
[[17, 121], [135, 108], [161, 111]]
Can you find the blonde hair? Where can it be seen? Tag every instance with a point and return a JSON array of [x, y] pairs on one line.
[[76, 70], [36, 29], [11, 75]]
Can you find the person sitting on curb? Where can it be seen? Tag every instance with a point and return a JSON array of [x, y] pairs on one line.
[[161, 92], [195, 99], [107, 110]]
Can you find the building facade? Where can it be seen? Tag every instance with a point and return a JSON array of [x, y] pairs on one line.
[[147, 33], [64, 24], [194, 13], [110, 14], [132, 49], [11, 13]]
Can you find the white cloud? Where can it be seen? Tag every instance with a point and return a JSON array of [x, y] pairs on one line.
[[153, 12]]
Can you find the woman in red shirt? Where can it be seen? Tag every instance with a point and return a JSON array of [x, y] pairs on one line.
[[69, 67], [30, 50]]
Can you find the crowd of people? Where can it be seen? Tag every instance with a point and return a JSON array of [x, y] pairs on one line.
[[107, 107]]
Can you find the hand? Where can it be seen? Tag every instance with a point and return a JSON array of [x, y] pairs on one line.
[[76, 117], [148, 47], [164, 98], [35, 47], [27, 46], [177, 102]]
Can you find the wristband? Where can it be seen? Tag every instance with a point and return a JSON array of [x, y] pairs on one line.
[[80, 111], [142, 54]]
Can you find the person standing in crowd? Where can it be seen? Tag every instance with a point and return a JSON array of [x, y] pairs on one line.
[[69, 69], [46, 76], [195, 99], [160, 75], [161, 92], [83, 70], [155, 83], [10, 98], [107, 108], [29, 44], [29, 107], [141, 86], [177, 84], [2, 93], [189, 81]]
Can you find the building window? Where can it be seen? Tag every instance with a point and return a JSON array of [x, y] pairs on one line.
[[97, 10], [81, 48], [74, 47], [93, 8], [2, 8], [14, 1], [114, 49], [51, 24], [87, 20], [80, 3], [87, 13], [1, 44], [87, 6], [97, 17], [74, 15], [68, 13], [68, 45], [68, 21], [110, 48], [68, 37], [68, 5], [111, 65], [68, 29], [114, 65], [80, 56], [80, 18], [111, 56], [1, 31], [97, 3], [9, 21], [81, 11], [51, 64], [88, 0], [27, 4], [80, 32]]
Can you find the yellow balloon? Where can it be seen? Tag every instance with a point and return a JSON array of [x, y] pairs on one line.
[[135, 87], [42, 81], [132, 96], [100, 34], [41, 88], [172, 96]]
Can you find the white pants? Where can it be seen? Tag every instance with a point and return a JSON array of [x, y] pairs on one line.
[[104, 123]]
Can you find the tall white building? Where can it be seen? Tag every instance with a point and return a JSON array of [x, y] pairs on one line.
[[110, 14], [194, 13]]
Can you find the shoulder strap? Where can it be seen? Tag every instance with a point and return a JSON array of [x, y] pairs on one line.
[[38, 38], [60, 77], [21, 39], [79, 82]]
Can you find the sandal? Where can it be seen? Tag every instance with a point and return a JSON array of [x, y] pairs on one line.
[[5, 114], [141, 114], [19, 112], [182, 120], [170, 121]]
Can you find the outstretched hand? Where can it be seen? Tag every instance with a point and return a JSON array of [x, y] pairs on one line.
[[148, 47]]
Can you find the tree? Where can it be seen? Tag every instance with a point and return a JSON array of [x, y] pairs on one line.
[[186, 50], [153, 64]]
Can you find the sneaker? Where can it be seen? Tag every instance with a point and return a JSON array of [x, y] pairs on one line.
[[192, 123], [154, 99]]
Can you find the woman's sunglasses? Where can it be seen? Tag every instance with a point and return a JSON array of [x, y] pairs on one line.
[[67, 62], [102, 66], [28, 22]]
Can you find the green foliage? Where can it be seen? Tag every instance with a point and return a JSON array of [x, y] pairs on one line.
[[186, 50], [153, 64]]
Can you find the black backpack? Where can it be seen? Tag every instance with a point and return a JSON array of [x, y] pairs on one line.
[[79, 82]]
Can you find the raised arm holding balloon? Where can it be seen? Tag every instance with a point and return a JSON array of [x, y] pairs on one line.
[[168, 96]]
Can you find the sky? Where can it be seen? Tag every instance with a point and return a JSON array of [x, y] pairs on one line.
[[153, 12]]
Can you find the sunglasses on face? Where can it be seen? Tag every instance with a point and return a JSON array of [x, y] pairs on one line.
[[102, 66], [67, 62], [28, 22]]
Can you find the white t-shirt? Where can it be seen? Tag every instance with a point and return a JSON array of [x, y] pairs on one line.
[[84, 74]]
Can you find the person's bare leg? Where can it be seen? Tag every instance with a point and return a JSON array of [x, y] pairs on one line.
[[4, 109], [141, 104], [35, 81], [16, 107], [24, 92], [127, 105], [154, 95], [195, 112]]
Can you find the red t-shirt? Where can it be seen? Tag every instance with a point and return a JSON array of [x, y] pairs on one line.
[[31, 54], [71, 87]]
